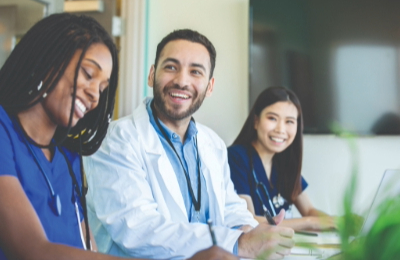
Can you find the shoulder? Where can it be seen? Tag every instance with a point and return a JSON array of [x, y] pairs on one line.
[[237, 148], [5, 119], [207, 135], [130, 127], [237, 151], [123, 124], [8, 133]]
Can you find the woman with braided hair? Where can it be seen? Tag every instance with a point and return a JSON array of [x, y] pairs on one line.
[[57, 92]]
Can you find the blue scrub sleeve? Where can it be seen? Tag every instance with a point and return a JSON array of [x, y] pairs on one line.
[[304, 184], [239, 166], [7, 161]]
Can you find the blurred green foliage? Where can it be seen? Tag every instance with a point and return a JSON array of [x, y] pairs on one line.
[[382, 242]]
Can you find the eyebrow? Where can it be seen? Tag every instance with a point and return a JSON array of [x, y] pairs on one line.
[[275, 114], [197, 65], [95, 63]]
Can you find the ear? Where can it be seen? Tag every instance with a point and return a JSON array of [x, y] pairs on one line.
[[210, 87], [150, 78]]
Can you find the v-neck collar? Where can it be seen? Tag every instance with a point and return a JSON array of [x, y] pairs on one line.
[[261, 173]]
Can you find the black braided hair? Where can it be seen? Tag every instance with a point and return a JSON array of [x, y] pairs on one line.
[[43, 54]]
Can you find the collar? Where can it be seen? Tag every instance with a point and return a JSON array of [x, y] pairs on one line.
[[191, 132]]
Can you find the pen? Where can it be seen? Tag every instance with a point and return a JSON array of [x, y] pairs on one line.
[[211, 228], [271, 221], [268, 216], [305, 233]]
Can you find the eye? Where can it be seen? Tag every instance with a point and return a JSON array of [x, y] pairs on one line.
[[290, 122], [271, 118], [197, 72], [170, 67], [88, 76]]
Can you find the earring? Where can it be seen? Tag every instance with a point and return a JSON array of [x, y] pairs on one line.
[[45, 95], [40, 85]]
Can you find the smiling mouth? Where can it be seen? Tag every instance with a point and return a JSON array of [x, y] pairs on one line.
[[81, 106], [277, 140], [179, 95]]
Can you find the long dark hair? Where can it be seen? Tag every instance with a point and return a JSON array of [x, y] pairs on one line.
[[288, 162], [42, 55]]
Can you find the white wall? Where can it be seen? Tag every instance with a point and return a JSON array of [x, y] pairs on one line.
[[225, 24], [327, 166]]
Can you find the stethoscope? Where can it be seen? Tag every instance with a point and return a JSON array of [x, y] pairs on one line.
[[55, 201], [260, 185], [196, 203]]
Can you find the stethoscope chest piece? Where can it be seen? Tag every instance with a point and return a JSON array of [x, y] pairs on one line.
[[278, 201]]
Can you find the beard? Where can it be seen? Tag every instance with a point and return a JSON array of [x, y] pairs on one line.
[[173, 112]]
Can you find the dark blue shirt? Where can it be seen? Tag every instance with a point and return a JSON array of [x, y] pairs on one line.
[[244, 182], [17, 160]]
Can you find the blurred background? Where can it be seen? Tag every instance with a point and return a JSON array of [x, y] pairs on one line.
[[340, 57]]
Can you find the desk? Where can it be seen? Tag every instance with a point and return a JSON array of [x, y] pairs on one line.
[[323, 246]]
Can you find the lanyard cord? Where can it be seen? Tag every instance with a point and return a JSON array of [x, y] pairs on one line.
[[81, 196], [196, 203], [71, 173]]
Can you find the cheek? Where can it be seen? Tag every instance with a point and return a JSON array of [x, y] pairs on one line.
[[293, 132], [265, 127]]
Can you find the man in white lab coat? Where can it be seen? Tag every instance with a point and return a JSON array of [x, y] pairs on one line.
[[159, 176]]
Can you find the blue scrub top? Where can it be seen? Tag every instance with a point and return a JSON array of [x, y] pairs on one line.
[[243, 179], [16, 160]]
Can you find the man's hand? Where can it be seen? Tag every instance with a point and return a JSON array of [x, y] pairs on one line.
[[274, 241], [213, 253]]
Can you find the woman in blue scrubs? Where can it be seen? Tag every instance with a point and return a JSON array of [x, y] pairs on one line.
[[57, 92], [265, 161]]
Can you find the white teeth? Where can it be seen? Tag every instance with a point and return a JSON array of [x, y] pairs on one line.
[[278, 140], [179, 95], [81, 106]]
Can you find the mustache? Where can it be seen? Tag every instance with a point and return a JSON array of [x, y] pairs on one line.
[[175, 86]]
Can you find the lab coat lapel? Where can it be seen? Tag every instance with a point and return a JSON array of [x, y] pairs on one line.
[[210, 166], [157, 156]]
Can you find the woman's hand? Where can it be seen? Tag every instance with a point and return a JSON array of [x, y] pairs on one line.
[[321, 223]]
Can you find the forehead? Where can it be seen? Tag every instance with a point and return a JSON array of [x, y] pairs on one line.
[[186, 52], [282, 108], [100, 54]]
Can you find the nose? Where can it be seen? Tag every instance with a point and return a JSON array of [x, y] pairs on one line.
[[93, 92], [181, 78], [280, 126]]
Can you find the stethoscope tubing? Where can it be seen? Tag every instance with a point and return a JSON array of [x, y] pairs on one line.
[[259, 184]]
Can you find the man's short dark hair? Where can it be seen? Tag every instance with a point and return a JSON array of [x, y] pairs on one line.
[[192, 36]]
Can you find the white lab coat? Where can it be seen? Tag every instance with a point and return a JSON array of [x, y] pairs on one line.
[[134, 201]]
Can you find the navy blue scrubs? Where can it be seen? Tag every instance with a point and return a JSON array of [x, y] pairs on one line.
[[243, 180]]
